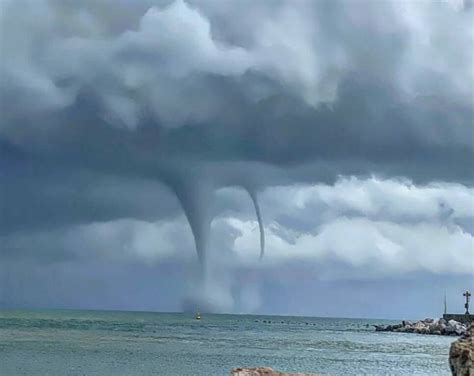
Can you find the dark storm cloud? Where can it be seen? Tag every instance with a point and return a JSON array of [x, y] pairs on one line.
[[360, 134], [239, 93], [121, 110]]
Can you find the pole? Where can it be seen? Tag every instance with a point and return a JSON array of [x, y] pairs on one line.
[[445, 305]]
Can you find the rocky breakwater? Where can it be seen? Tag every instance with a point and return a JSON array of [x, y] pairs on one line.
[[427, 326], [264, 371]]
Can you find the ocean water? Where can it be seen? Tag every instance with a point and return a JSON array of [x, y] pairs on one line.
[[145, 343]]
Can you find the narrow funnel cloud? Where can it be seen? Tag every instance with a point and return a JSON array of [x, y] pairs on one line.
[[192, 198], [253, 196]]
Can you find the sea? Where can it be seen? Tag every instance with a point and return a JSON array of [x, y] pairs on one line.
[[67, 342]]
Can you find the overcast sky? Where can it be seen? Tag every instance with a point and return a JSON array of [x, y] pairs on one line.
[[142, 141]]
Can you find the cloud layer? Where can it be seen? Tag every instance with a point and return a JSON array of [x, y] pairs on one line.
[[135, 132], [356, 230]]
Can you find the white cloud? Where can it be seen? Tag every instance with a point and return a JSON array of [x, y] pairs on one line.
[[122, 240], [360, 248], [377, 198], [50, 53], [369, 227], [354, 229]]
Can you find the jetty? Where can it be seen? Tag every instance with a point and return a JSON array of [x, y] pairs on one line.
[[451, 324], [427, 326]]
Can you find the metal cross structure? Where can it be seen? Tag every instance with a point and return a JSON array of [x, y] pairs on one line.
[[467, 294]]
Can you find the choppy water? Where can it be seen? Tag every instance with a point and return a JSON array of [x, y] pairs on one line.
[[137, 343]]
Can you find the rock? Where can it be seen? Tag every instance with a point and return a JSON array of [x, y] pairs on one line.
[[460, 330], [461, 354], [427, 326], [454, 328], [405, 329], [264, 371], [419, 325], [449, 329], [434, 328]]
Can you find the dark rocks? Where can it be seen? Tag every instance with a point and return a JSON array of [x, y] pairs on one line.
[[461, 354], [427, 326]]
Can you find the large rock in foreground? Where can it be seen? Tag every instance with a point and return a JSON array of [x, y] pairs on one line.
[[264, 371], [461, 354]]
